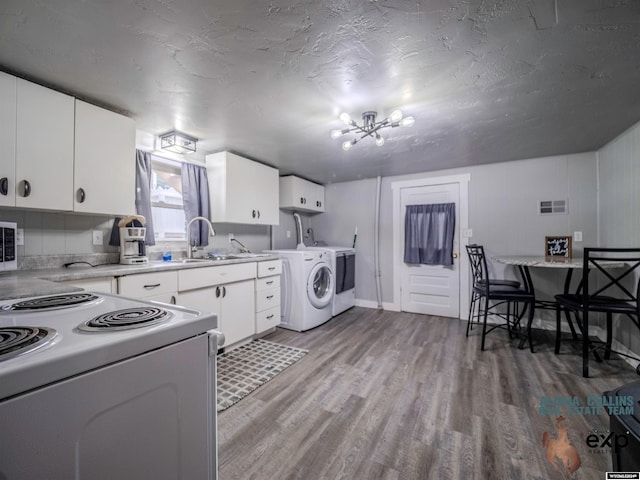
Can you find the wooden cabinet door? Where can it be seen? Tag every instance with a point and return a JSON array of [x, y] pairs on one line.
[[8, 140], [104, 168], [44, 148]]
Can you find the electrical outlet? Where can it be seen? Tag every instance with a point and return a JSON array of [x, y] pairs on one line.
[[20, 236], [577, 236], [288, 233], [231, 237], [97, 237]]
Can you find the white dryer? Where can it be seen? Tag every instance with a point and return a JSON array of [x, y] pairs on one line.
[[307, 288], [343, 265]]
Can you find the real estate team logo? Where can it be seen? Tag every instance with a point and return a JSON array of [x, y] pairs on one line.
[[559, 451]]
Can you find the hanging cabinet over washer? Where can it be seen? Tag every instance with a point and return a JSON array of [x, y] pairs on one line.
[[241, 190], [301, 195]]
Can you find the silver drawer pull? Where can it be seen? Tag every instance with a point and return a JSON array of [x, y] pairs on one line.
[[269, 317], [148, 287], [270, 282], [271, 268], [269, 297]]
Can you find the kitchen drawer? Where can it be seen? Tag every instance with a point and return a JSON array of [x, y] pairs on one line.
[[269, 267], [191, 278], [267, 283], [148, 284], [266, 299], [102, 285], [267, 319]]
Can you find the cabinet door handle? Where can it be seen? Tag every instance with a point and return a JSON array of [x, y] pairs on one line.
[[149, 287], [81, 195], [224, 291], [271, 268], [258, 213], [173, 300], [26, 188], [318, 203], [269, 297], [269, 282], [269, 317], [301, 200], [217, 292], [253, 214], [4, 185]]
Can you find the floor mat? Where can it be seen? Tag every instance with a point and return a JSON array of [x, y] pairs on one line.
[[244, 369]]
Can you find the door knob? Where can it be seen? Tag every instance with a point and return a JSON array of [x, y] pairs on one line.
[[455, 255]]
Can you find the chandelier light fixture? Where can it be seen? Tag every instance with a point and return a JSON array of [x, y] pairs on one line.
[[370, 128], [178, 142]]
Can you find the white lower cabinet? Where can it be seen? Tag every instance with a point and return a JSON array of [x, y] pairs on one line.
[[232, 302], [268, 295], [158, 286], [100, 285]]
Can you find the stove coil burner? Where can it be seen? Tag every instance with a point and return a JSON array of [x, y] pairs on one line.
[[126, 319], [16, 341], [51, 302]]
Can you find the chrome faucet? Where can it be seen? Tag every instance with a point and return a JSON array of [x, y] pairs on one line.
[[243, 249], [191, 249]]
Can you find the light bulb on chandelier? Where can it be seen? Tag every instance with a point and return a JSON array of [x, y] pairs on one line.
[[370, 127]]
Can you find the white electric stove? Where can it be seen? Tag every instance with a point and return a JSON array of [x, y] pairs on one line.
[[96, 386]]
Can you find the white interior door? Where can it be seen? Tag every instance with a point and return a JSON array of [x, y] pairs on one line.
[[431, 289]]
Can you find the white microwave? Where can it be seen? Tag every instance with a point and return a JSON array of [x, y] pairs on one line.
[[8, 248]]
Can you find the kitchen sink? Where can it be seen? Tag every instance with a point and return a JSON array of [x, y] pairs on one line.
[[186, 260]]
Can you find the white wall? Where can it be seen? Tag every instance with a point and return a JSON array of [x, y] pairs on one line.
[[503, 200], [619, 192]]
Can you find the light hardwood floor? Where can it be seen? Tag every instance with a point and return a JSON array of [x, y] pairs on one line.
[[385, 395]]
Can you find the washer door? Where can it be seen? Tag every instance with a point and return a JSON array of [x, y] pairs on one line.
[[320, 285]]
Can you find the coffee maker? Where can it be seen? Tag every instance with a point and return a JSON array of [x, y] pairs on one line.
[[132, 234]]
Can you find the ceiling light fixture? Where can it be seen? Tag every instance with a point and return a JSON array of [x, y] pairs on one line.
[[370, 127], [178, 142]]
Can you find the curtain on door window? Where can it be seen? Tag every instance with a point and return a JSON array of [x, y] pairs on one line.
[[143, 193], [195, 196], [428, 234]]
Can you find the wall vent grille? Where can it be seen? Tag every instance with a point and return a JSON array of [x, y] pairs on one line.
[[552, 207]]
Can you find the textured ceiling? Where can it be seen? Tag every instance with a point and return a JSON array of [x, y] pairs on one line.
[[486, 81]]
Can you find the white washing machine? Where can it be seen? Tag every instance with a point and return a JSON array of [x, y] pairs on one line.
[[307, 288], [343, 266]]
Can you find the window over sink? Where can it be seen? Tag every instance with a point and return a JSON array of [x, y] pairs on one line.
[[166, 200]]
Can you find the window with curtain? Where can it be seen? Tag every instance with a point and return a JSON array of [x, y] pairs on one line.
[[167, 205], [428, 234]]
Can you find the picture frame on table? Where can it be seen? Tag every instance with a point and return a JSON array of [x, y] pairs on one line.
[[558, 247]]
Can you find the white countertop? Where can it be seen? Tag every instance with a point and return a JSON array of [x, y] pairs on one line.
[[545, 262], [31, 283]]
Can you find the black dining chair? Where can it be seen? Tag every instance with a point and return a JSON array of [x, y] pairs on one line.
[[489, 295], [609, 295], [477, 276]]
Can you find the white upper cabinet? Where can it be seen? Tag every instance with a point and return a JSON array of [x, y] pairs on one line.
[[301, 195], [59, 153], [104, 167], [7, 140], [241, 190], [44, 148]]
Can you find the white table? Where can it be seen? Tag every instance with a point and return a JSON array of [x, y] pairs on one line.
[[524, 262]]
